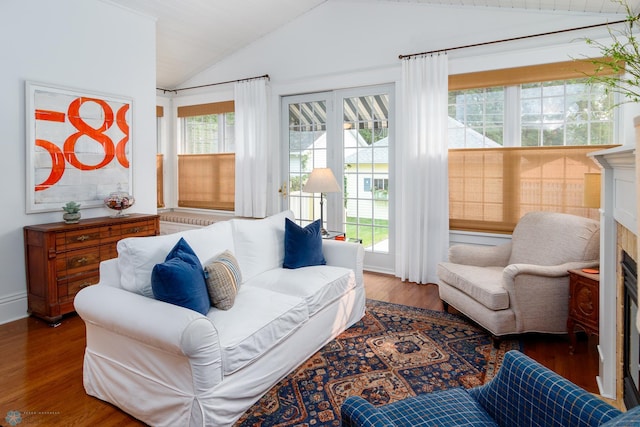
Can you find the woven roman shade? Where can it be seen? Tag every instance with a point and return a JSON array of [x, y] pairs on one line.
[[206, 109], [491, 188], [207, 181], [576, 69]]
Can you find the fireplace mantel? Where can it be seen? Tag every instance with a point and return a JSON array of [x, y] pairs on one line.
[[618, 207]]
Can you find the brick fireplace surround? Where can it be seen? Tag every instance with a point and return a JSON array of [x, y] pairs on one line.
[[619, 225]]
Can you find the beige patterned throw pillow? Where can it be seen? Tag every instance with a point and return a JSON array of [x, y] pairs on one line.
[[223, 279]]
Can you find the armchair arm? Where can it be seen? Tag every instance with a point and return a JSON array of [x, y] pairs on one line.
[[357, 412], [166, 327], [539, 294], [345, 254], [526, 393], [481, 256], [512, 270]]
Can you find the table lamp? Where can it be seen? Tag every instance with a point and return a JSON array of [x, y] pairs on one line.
[[321, 181]]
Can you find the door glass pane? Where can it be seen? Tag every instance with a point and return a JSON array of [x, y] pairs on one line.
[[366, 170], [307, 150]]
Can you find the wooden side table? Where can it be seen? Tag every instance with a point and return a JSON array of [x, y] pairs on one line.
[[63, 258], [584, 307]]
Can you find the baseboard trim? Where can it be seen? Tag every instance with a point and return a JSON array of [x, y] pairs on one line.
[[13, 307]]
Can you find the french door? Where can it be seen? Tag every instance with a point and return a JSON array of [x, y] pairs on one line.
[[351, 132]]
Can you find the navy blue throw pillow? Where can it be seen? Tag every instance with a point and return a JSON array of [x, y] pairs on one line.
[[302, 246], [180, 279]]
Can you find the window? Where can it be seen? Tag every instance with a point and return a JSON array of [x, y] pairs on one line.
[[520, 145], [206, 162], [565, 112], [381, 188], [207, 134], [476, 118], [350, 131], [562, 112]]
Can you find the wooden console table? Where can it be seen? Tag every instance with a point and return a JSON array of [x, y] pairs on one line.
[[584, 306], [63, 258]]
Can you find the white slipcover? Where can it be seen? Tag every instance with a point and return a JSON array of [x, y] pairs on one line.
[[167, 365]]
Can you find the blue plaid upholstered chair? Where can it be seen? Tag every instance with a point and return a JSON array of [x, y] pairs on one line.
[[523, 393]]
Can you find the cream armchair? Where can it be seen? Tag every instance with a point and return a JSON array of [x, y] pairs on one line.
[[521, 286]]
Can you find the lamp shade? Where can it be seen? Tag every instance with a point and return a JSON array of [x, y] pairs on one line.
[[591, 190], [321, 180]]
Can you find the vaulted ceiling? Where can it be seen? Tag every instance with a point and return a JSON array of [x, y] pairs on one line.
[[193, 35]]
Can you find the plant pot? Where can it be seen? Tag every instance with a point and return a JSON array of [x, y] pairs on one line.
[[71, 218]]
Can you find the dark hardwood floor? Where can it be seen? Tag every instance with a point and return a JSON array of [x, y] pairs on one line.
[[41, 366]]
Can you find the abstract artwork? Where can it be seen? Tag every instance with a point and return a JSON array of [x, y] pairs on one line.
[[78, 146]]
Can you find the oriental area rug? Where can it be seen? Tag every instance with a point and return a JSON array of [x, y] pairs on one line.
[[394, 352]]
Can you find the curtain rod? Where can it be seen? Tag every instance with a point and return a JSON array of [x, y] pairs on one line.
[[265, 76], [511, 39]]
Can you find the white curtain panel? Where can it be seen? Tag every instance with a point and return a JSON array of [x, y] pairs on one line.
[[252, 132], [422, 211]]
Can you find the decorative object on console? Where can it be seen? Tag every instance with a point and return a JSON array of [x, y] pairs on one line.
[[71, 213], [302, 246], [119, 201], [321, 181]]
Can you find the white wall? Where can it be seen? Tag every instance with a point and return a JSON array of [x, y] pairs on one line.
[[85, 44]]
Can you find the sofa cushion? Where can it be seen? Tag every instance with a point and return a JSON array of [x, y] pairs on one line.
[[259, 244], [223, 277], [453, 407], [180, 279], [302, 245], [318, 285], [258, 321], [138, 255], [483, 284]]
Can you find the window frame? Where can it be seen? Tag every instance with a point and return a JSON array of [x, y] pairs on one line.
[[510, 78], [217, 192]]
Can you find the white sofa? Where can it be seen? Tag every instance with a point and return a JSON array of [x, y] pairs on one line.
[[168, 365]]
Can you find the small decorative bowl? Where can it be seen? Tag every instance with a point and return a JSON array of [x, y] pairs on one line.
[[119, 201]]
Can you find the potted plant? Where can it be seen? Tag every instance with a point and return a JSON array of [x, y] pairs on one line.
[[71, 213], [621, 57]]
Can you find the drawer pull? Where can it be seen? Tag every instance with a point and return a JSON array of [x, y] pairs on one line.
[[84, 285], [136, 230], [82, 260], [83, 238]]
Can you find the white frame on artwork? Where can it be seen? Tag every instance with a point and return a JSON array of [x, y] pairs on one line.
[[78, 146]]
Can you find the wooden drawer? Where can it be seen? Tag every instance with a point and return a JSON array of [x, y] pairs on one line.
[[77, 262], [138, 229], [110, 233], [108, 251], [77, 239], [584, 304], [69, 287]]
